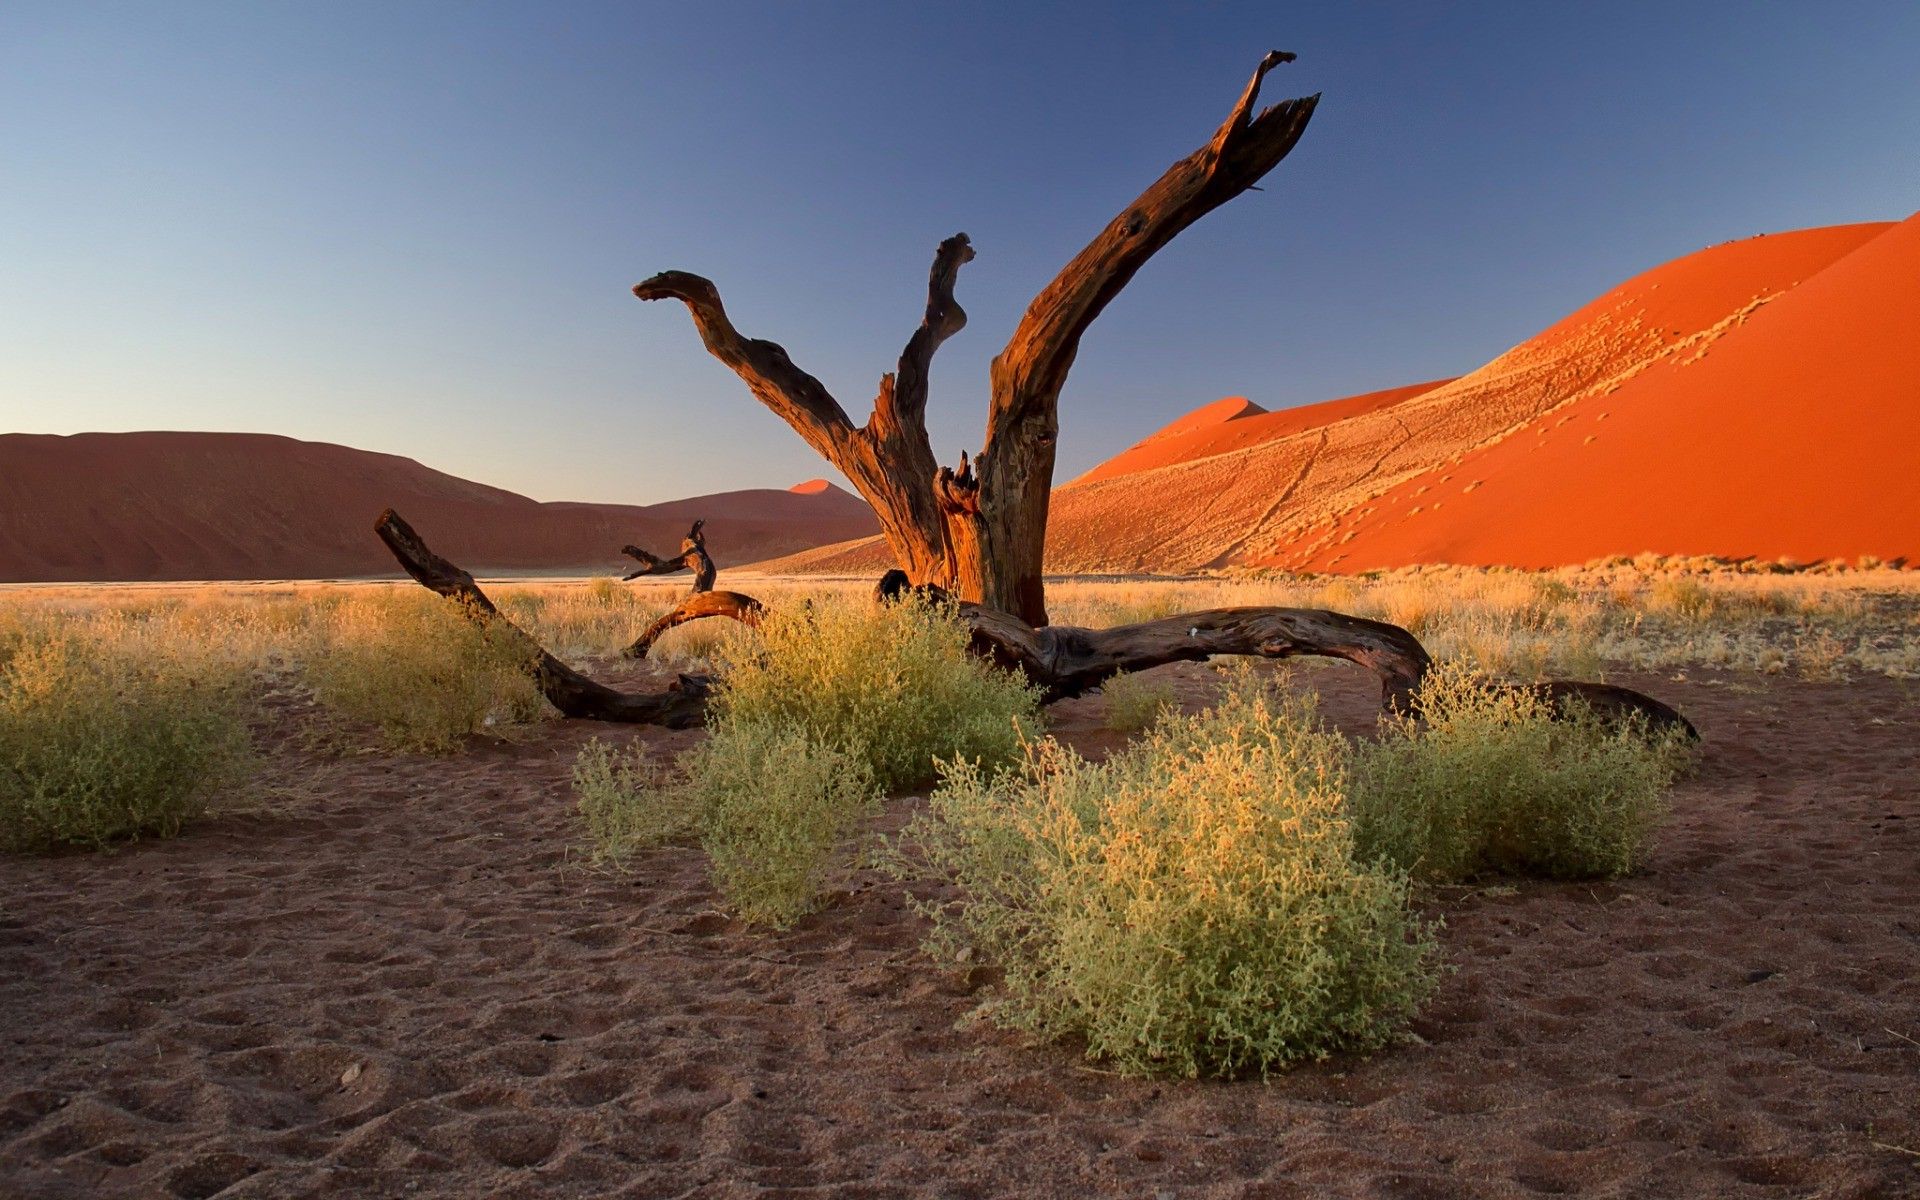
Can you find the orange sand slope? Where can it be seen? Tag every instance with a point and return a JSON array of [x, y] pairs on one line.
[[135, 506], [1791, 430], [1236, 423], [1759, 398]]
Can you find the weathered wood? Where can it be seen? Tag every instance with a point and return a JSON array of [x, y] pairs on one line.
[[1613, 704], [1015, 464], [980, 530], [1063, 660], [693, 557], [682, 704], [888, 460], [734, 605], [1066, 660]]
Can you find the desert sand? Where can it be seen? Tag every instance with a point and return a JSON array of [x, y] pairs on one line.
[[149, 506], [1795, 433], [1759, 398], [1237, 423], [397, 978]]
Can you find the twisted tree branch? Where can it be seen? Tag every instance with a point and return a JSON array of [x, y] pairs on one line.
[[682, 704], [799, 399], [693, 557], [1034, 365], [735, 605]]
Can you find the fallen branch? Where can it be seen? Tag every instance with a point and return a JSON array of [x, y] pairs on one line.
[[682, 704], [742, 608], [1066, 660], [1063, 660]]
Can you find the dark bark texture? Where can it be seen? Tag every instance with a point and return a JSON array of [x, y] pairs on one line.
[[1062, 660], [683, 703], [693, 557], [979, 530]]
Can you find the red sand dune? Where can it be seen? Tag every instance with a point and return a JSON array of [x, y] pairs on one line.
[[1760, 399], [1237, 423], [1797, 434], [133, 506]]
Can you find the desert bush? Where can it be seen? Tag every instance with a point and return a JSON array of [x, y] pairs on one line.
[[1489, 781], [772, 809], [106, 734], [892, 685], [775, 807], [628, 802], [1134, 703], [1192, 906], [413, 667]]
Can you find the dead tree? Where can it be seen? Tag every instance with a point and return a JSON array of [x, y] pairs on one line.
[[693, 557], [980, 531], [701, 602], [1062, 660]]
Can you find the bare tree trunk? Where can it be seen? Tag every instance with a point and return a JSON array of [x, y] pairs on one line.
[[980, 530]]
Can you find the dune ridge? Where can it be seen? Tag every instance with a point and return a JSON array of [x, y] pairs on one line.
[[1788, 429]]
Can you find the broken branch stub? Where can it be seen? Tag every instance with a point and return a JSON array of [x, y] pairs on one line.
[[693, 557]]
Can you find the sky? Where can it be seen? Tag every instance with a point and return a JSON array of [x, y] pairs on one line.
[[413, 227]]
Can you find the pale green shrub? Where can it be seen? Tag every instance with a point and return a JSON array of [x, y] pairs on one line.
[[106, 734], [772, 809], [775, 808], [411, 665], [892, 685], [1192, 906], [628, 803], [1488, 781], [1134, 703]]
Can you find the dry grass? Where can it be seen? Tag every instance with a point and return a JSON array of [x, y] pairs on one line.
[[1577, 622], [409, 665], [1135, 702], [1642, 614]]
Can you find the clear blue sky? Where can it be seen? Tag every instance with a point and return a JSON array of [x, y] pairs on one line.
[[411, 227]]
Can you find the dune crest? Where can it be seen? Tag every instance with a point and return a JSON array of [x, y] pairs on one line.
[[1789, 428]]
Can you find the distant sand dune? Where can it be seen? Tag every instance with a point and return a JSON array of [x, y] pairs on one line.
[[138, 506]]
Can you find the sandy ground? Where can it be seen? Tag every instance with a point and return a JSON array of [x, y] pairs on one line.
[[397, 980]]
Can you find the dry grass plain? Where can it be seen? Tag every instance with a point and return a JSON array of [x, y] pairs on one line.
[[376, 971]]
